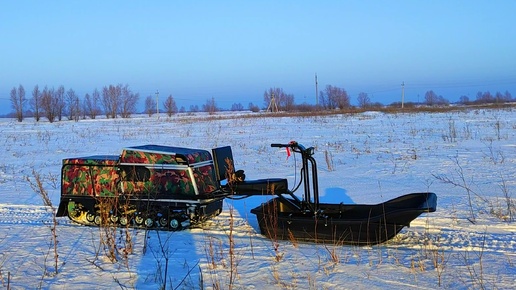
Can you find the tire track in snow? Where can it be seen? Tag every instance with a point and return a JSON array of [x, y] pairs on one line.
[[445, 237], [448, 238], [27, 214]]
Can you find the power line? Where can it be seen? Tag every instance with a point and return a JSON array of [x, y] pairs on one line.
[[463, 84]]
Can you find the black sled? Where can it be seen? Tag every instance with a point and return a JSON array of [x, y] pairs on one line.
[[287, 217]]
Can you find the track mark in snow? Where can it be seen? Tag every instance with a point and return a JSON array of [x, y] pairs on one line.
[[459, 239], [25, 214]]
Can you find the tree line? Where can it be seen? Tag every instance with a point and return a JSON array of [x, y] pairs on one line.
[[336, 98], [331, 98], [120, 101], [56, 104]]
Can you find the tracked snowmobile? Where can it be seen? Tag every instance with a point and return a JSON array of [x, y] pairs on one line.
[[149, 186]]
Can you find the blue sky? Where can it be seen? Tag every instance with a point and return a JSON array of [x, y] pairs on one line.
[[235, 50]]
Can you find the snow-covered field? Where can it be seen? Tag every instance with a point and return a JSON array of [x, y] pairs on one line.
[[467, 158]]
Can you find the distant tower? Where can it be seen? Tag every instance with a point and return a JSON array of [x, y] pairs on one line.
[[402, 94], [272, 104], [316, 90]]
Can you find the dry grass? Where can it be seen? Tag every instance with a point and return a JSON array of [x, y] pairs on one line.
[[36, 185]]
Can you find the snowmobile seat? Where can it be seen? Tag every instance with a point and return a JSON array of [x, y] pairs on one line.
[[234, 181]]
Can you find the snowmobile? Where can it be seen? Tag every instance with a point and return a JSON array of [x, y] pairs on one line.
[[149, 186], [288, 217]]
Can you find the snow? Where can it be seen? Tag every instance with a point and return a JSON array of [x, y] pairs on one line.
[[362, 158]]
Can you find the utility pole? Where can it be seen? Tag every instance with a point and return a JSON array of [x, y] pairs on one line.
[[402, 94], [157, 104], [316, 91]]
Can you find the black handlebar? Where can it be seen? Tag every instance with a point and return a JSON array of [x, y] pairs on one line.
[[296, 147], [280, 145], [291, 144], [306, 156]]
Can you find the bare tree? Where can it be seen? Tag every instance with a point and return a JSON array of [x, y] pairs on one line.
[[22, 100], [503, 98], [18, 101], [484, 98], [49, 104], [210, 106], [15, 104], [194, 108], [237, 107], [253, 108], [35, 103], [111, 98], [323, 100], [430, 98], [335, 98], [95, 105], [442, 101], [128, 103], [107, 102], [508, 96], [72, 104], [86, 105], [464, 99], [287, 102], [77, 110], [170, 106], [60, 102], [150, 105], [91, 106], [363, 100]]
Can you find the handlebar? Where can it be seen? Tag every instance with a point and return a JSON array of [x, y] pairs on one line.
[[280, 145], [291, 144], [296, 147]]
